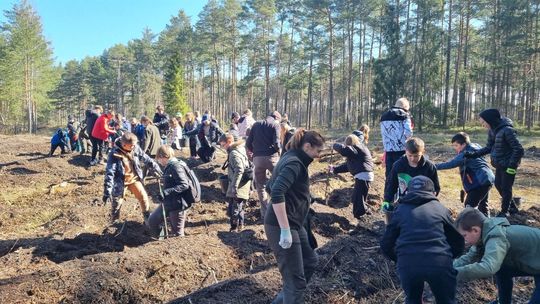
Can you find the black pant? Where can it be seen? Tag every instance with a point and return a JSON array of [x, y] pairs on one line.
[[479, 198], [505, 283], [295, 264], [504, 183], [235, 211], [359, 197], [54, 147], [441, 279], [391, 158], [97, 147]]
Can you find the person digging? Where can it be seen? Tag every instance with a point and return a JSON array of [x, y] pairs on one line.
[[123, 171]]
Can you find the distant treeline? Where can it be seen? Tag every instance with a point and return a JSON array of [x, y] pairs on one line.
[[327, 63]]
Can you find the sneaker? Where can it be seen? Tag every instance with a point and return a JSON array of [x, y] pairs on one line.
[[240, 228], [232, 229], [513, 210], [93, 162], [146, 216]]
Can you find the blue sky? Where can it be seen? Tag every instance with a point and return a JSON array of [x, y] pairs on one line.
[[80, 28]]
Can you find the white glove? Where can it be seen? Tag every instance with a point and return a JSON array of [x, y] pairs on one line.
[[285, 238]]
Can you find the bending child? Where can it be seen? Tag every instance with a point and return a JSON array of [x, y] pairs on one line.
[[500, 249], [360, 165], [476, 176]]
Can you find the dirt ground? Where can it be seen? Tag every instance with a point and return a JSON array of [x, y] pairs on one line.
[[56, 245]]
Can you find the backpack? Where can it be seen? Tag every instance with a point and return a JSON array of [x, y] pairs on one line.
[[194, 195]]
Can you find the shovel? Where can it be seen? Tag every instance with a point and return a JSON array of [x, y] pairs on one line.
[[166, 233]]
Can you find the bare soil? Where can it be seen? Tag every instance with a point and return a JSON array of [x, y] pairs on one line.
[[56, 244]]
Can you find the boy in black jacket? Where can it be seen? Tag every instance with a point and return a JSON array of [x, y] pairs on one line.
[[412, 164], [421, 238], [506, 153]]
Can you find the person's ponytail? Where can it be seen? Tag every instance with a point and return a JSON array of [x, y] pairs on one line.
[[302, 136]]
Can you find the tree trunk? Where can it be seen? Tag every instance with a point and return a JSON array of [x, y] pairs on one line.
[[448, 56]]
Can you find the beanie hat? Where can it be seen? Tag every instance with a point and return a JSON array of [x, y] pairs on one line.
[[420, 183], [491, 116]]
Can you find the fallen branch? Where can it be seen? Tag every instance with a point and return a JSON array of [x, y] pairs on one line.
[[399, 295], [333, 255]]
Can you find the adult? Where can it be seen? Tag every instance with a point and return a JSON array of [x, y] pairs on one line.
[[285, 218], [97, 145], [100, 133], [152, 139], [161, 121], [208, 133], [506, 152], [190, 127], [396, 128], [245, 123], [264, 142]]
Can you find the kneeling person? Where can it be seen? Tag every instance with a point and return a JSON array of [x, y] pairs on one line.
[[124, 171], [499, 249]]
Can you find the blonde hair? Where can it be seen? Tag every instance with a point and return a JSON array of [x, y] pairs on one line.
[[352, 140], [165, 151], [129, 138], [403, 103], [284, 129], [302, 136], [365, 130]]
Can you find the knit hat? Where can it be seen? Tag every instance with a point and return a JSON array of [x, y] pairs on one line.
[[420, 183], [491, 116]]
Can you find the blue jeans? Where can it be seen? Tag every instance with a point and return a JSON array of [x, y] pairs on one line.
[[505, 283]]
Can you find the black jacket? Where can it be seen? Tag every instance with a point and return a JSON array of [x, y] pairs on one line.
[[503, 144], [421, 232], [162, 122], [401, 174], [263, 139], [358, 159], [290, 184], [91, 121], [175, 183]]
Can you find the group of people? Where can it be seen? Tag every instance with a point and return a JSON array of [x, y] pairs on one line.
[[272, 158]]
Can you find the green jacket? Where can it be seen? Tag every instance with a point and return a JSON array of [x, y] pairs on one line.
[[513, 246], [238, 162]]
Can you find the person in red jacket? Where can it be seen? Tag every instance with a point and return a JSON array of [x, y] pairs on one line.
[[101, 132]]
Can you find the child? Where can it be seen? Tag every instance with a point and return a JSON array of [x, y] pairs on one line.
[[124, 171], [175, 184], [175, 136], [59, 139], [476, 176], [506, 153], [499, 249], [360, 165], [422, 240], [239, 187], [412, 164]]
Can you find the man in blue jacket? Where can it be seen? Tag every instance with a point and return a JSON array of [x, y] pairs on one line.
[[476, 176]]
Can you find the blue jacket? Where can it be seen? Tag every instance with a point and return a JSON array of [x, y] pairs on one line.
[[474, 172], [60, 137], [139, 132], [114, 172]]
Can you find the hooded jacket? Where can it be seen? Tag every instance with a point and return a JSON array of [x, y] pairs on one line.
[[60, 137], [238, 162], [514, 246], [474, 172], [421, 231], [503, 145], [396, 127], [175, 183], [358, 159], [402, 173], [115, 171], [91, 117]]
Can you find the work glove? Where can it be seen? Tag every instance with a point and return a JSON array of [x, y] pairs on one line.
[[105, 198], [331, 169], [387, 206], [511, 171], [470, 154], [285, 238]]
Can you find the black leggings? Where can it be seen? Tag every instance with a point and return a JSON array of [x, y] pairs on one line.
[[97, 147]]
